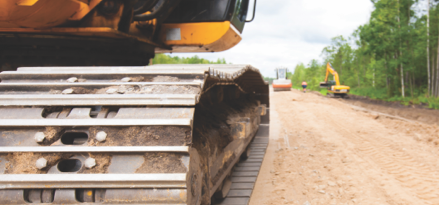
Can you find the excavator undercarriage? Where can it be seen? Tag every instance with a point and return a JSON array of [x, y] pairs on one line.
[[163, 134], [125, 133]]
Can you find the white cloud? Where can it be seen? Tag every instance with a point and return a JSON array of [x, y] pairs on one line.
[[288, 32]]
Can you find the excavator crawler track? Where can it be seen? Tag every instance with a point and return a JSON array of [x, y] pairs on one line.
[[245, 173], [163, 134]]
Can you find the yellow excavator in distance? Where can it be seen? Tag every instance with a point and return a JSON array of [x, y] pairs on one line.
[[333, 86]]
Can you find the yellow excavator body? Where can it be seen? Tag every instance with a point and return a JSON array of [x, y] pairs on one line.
[[115, 32], [200, 37], [37, 14], [334, 87]]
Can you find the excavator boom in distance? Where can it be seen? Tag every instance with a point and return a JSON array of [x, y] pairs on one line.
[[333, 86]]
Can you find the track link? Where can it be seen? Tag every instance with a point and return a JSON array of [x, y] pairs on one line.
[[245, 173], [125, 135]]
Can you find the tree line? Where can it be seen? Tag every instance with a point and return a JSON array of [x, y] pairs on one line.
[[393, 56], [167, 59]]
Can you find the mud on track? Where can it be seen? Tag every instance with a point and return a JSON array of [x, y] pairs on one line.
[[323, 151]]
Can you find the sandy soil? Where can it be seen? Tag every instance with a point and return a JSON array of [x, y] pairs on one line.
[[323, 151]]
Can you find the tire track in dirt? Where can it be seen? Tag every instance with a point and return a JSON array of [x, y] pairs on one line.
[[420, 179], [314, 164]]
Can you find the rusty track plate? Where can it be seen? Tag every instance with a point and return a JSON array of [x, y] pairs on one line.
[[245, 173]]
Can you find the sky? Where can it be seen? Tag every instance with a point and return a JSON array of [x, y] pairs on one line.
[[288, 32]]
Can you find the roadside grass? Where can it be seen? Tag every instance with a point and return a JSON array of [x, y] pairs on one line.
[[432, 102], [299, 88], [373, 93], [381, 94], [321, 91]]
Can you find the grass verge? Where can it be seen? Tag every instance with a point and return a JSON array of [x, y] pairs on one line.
[[381, 94]]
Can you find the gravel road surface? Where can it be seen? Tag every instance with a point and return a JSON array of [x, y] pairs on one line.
[[324, 151]]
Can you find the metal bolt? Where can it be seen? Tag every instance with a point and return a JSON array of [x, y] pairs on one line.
[[72, 80], [126, 79], [40, 136], [101, 136], [41, 163], [90, 163], [67, 91]]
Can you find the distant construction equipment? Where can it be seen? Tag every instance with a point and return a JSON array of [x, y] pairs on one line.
[[333, 86], [281, 83]]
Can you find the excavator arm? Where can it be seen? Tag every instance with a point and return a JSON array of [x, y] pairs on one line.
[[330, 69]]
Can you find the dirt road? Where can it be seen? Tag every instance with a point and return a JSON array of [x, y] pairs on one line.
[[323, 151]]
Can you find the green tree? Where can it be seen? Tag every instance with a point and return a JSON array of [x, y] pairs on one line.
[[387, 57], [167, 59]]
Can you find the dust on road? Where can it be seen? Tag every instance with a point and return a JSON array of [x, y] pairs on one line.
[[322, 151]]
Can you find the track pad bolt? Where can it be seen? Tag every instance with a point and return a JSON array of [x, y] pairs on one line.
[[101, 136], [72, 80], [41, 163], [67, 91], [40, 136], [126, 79], [90, 163]]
